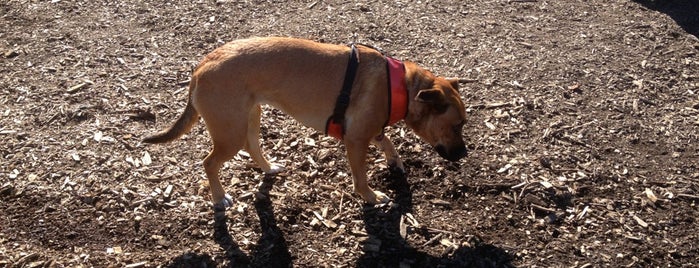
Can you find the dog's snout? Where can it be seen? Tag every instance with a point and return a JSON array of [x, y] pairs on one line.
[[451, 154], [460, 153]]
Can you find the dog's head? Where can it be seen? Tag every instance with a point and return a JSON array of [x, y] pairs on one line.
[[436, 112]]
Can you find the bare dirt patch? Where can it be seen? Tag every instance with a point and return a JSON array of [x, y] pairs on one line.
[[583, 125]]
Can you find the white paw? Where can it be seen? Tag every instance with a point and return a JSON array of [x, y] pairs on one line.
[[275, 169], [227, 201], [381, 198], [375, 198], [220, 206]]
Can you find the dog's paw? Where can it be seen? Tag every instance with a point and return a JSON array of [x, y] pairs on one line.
[[226, 202], [275, 169], [396, 166], [220, 208], [380, 198]]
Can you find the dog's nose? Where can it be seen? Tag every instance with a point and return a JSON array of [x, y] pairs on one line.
[[459, 153], [452, 154]]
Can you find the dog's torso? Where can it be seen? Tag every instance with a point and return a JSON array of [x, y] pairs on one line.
[[300, 77]]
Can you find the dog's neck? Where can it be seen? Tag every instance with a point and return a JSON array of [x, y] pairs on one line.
[[397, 91]]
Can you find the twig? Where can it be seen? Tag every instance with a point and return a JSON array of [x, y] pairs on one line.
[[467, 80], [184, 82], [690, 196], [542, 208], [491, 105], [80, 86], [54, 117], [572, 140], [435, 238], [439, 230], [342, 197], [521, 193]]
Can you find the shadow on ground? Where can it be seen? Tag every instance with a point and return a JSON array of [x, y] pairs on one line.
[[387, 247], [271, 249], [684, 12]]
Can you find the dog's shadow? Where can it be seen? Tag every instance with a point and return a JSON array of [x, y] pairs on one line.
[[386, 246], [271, 249]]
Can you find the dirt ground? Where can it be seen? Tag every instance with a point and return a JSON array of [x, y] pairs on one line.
[[582, 127]]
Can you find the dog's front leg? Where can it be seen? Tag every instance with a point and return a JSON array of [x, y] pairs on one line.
[[392, 157], [356, 154]]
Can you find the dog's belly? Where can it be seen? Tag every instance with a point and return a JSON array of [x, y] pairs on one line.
[[313, 118]]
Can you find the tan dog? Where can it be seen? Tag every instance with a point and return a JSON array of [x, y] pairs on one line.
[[303, 79]]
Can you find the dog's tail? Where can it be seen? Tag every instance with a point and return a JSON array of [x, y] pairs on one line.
[[183, 124]]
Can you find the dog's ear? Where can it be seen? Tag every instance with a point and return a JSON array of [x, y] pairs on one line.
[[454, 82], [431, 96]]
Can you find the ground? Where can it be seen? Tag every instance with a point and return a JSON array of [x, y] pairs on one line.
[[583, 119]]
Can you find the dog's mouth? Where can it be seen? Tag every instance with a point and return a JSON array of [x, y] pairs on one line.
[[451, 154]]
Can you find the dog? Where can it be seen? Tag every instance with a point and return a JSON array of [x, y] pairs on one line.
[[304, 79]]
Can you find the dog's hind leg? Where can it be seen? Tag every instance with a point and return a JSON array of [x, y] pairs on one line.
[[252, 144], [392, 157], [212, 165], [228, 137]]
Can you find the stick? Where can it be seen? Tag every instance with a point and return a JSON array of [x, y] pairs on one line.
[[438, 236], [467, 80], [77, 87], [492, 105], [542, 208], [439, 230], [688, 196]]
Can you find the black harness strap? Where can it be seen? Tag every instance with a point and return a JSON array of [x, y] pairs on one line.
[[343, 99]]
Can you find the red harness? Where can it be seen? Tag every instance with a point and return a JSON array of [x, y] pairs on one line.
[[397, 101], [398, 91]]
